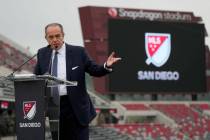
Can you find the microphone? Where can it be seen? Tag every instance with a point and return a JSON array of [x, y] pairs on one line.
[[48, 72], [19, 67]]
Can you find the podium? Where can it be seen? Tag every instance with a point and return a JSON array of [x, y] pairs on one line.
[[32, 97]]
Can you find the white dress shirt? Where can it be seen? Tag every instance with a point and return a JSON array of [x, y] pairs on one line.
[[61, 68]]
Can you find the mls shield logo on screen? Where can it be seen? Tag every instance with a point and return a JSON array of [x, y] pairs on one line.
[[29, 109], [158, 48]]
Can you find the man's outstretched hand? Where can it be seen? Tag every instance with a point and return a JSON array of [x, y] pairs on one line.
[[112, 59]]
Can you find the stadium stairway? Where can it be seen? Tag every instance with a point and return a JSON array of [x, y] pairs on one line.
[[104, 133]]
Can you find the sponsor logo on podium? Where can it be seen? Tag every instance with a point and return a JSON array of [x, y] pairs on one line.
[[158, 48], [29, 109]]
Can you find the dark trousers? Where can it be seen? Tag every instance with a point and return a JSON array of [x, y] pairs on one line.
[[69, 127]]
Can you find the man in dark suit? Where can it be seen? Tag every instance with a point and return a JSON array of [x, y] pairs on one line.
[[72, 62]]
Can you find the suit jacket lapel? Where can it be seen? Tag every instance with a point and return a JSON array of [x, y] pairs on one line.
[[48, 60], [69, 60]]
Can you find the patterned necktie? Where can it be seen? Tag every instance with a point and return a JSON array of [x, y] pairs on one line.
[[55, 92]]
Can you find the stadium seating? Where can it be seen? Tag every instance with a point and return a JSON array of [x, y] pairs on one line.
[[191, 122], [201, 107], [137, 106], [146, 130], [12, 58]]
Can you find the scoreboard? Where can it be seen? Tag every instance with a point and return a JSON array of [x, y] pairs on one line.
[[157, 56]]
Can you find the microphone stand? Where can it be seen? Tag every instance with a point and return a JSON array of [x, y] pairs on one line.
[[18, 68]]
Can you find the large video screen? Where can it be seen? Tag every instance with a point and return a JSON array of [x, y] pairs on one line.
[[157, 56]]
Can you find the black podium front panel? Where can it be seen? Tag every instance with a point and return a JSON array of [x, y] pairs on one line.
[[29, 109]]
